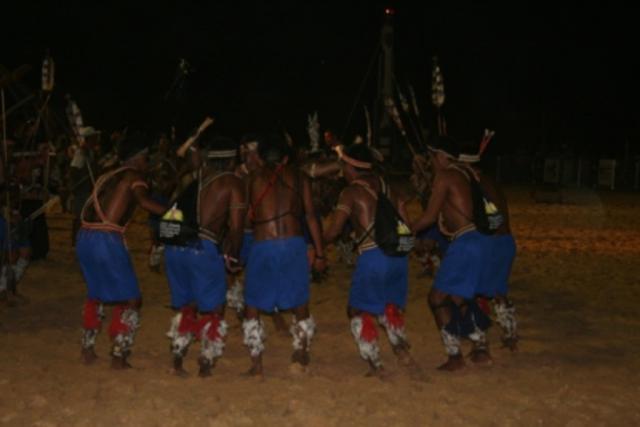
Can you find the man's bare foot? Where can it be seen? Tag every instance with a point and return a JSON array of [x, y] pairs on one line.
[[5, 300], [403, 355], [377, 372], [10, 299], [205, 367], [178, 370], [256, 368], [120, 363], [89, 356], [301, 357], [453, 363], [481, 357], [255, 371], [19, 299], [510, 343]]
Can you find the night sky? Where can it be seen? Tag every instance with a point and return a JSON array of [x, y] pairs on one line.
[[544, 77]]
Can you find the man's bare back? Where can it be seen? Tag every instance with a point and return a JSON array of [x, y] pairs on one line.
[[279, 214], [117, 196], [451, 198], [222, 205]]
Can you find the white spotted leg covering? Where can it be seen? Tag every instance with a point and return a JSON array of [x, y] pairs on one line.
[[180, 340], [506, 318], [479, 339], [254, 336], [212, 338], [93, 316], [235, 298], [302, 332], [393, 322], [124, 330], [19, 268], [366, 339], [451, 342]]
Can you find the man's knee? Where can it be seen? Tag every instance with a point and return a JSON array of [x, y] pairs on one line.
[[353, 312], [437, 298], [251, 312], [136, 304], [301, 312]]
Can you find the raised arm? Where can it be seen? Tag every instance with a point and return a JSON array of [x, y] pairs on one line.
[[321, 169]]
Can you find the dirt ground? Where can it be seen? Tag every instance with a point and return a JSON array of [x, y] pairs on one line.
[[576, 283]]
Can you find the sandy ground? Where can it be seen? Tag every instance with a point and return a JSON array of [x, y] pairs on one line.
[[576, 283]]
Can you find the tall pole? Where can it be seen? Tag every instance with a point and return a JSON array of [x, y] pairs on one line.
[[386, 83]]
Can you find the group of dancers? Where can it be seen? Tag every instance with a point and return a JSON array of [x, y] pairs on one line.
[[251, 210]]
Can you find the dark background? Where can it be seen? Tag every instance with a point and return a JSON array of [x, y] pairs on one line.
[[547, 78]]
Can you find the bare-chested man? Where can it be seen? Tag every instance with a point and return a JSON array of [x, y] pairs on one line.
[[380, 282], [250, 162], [502, 251], [215, 204], [459, 276], [277, 273], [103, 255]]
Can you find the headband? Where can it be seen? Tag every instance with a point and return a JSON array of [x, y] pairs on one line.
[[221, 154], [469, 158], [439, 150]]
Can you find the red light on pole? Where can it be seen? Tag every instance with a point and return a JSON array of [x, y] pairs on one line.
[[389, 11]]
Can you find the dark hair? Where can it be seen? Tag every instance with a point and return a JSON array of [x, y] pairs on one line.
[[362, 153], [209, 141], [134, 143], [468, 146], [445, 143], [249, 137], [272, 148]]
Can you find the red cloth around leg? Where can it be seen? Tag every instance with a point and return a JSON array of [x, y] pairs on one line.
[[90, 316], [188, 321], [394, 316], [212, 333], [369, 332], [483, 303], [117, 326]]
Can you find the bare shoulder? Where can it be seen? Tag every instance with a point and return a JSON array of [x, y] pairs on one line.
[[352, 192], [133, 175]]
